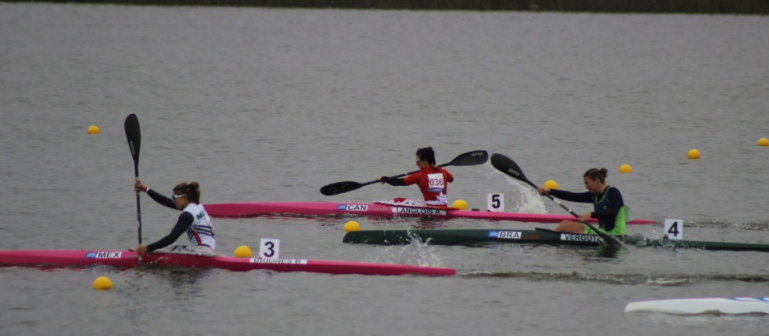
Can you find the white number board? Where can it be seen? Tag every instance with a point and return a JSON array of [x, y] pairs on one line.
[[674, 229], [495, 202], [269, 248]]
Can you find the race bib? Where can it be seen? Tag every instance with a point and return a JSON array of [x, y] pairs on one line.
[[436, 182]]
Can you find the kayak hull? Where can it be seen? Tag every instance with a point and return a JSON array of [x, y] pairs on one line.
[[734, 305], [314, 209], [129, 259], [487, 236]]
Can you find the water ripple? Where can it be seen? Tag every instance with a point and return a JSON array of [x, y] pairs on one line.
[[665, 280]]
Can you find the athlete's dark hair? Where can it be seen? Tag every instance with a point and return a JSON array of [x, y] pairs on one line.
[[597, 174], [427, 154], [192, 190]]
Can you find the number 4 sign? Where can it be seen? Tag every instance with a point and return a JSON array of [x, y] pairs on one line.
[[269, 248], [674, 229]]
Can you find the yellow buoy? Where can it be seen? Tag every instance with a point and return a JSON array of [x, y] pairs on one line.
[[102, 283], [625, 168], [694, 154], [460, 204], [351, 226], [763, 142], [552, 185], [243, 252], [93, 130]]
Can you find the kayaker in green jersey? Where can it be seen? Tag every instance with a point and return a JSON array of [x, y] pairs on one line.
[[610, 209]]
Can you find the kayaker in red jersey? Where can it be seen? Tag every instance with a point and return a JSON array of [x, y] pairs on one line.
[[432, 180], [194, 220]]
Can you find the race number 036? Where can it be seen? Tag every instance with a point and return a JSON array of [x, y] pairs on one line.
[[435, 182]]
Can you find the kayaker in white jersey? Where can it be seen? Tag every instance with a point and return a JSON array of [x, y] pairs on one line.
[[194, 220]]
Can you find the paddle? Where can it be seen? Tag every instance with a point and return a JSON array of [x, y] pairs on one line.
[[509, 167], [466, 159], [134, 136]]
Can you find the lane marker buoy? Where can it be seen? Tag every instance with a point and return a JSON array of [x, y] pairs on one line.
[[243, 252], [102, 283], [351, 226], [552, 185], [460, 204]]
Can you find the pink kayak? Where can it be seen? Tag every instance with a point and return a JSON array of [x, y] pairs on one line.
[[129, 259], [240, 210]]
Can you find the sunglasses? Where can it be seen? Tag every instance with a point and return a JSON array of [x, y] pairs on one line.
[[176, 197]]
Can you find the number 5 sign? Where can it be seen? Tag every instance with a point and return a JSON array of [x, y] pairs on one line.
[[495, 202], [269, 248], [674, 229]]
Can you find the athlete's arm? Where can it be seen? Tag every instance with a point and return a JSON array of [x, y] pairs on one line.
[[184, 222], [161, 199], [393, 181], [584, 197]]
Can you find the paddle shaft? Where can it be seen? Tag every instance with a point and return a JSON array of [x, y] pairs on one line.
[[405, 174], [138, 208], [560, 204], [343, 187], [466, 159]]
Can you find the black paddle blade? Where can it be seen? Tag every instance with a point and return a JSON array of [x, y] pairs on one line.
[[134, 135], [340, 188], [509, 167], [470, 159]]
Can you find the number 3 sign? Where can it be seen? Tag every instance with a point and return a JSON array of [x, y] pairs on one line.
[[269, 248]]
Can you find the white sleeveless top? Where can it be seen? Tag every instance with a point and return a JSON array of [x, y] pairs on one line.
[[201, 232]]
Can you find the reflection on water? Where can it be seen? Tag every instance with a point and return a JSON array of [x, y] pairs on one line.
[[428, 223], [183, 281], [605, 254]]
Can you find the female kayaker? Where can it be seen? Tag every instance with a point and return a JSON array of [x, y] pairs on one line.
[[610, 209], [194, 220], [431, 179]]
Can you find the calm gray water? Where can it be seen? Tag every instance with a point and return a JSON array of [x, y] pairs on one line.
[[272, 104]]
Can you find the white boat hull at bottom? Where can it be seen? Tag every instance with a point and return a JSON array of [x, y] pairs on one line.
[[734, 305]]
